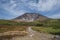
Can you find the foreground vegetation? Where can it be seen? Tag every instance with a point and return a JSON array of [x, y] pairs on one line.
[[11, 28], [6, 25], [47, 30], [51, 26]]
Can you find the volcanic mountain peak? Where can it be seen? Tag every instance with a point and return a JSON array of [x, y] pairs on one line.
[[29, 17]]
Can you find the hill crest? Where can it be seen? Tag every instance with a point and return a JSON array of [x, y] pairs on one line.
[[29, 17]]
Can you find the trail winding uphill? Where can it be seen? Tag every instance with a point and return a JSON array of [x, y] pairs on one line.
[[33, 35]]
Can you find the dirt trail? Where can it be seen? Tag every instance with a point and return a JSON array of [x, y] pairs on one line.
[[33, 35]]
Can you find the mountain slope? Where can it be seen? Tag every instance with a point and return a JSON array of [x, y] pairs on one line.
[[29, 17]]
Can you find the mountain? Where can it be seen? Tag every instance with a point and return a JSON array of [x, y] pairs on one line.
[[29, 17]]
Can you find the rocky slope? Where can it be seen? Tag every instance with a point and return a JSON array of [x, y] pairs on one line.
[[28, 17]]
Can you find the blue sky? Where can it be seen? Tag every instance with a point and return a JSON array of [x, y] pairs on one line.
[[12, 8]]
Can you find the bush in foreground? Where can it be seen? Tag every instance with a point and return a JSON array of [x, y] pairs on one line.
[[50, 30]]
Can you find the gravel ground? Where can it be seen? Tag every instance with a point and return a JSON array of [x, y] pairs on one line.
[[33, 35]]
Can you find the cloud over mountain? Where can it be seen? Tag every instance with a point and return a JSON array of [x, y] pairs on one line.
[[19, 7]]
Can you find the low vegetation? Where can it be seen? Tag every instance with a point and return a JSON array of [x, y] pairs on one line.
[[6, 25], [50, 26], [47, 30], [11, 28]]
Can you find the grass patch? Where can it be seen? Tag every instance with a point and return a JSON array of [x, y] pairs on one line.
[[50, 30], [7, 25], [50, 26], [11, 28]]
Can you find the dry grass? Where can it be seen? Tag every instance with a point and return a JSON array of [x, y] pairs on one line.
[[12, 28]]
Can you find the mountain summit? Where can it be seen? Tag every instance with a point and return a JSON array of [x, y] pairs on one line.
[[29, 17]]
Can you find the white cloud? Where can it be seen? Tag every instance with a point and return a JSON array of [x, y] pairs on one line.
[[43, 6], [15, 12], [47, 5], [12, 1], [57, 15], [13, 6]]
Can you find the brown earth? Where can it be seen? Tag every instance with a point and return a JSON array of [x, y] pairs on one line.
[[32, 35]]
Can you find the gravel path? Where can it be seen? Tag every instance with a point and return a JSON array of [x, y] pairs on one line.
[[33, 35]]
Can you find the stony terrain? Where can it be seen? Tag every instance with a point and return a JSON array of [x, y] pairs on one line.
[[29, 17], [32, 35]]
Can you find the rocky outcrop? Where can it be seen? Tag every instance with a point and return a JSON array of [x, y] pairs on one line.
[[28, 17]]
